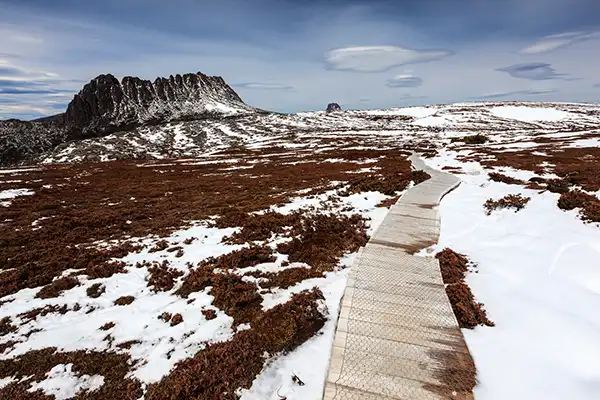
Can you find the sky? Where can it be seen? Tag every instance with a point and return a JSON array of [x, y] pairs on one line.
[[292, 56]]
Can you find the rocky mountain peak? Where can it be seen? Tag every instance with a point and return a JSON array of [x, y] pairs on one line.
[[106, 105]]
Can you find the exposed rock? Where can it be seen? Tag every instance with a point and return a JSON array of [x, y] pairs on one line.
[[331, 107], [106, 105]]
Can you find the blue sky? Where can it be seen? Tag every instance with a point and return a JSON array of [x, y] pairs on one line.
[[293, 56]]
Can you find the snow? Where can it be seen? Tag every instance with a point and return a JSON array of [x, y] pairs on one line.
[[160, 345], [14, 171], [431, 121], [417, 112], [529, 114], [310, 361], [539, 280], [63, 384], [9, 194]]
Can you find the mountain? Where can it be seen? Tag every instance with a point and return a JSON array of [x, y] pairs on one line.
[[409, 125], [106, 105]]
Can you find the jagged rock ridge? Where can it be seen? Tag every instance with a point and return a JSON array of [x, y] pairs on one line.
[[106, 105]]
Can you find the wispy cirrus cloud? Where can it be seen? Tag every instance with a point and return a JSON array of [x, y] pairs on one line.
[[534, 92], [404, 81], [597, 85], [263, 86], [378, 58], [532, 71], [554, 42]]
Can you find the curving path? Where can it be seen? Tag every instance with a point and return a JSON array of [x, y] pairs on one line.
[[397, 337]]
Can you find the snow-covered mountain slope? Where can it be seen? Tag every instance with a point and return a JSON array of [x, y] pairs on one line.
[[105, 104], [500, 121]]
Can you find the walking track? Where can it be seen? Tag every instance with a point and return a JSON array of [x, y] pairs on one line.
[[397, 337]]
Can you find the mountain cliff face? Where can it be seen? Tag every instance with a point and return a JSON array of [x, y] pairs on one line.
[[106, 105]]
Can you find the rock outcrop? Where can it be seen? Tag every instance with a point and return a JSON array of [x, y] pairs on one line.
[[106, 105], [331, 107]]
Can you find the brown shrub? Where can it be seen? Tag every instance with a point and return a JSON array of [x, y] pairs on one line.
[[176, 320], [209, 314], [57, 287], [236, 298], [468, 312], [387, 203], [498, 177], [162, 277], [105, 269], [34, 365], [322, 240], [575, 199], [151, 200], [280, 329], [159, 246], [95, 290], [419, 176], [257, 227], [514, 201], [558, 185], [31, 315], [452, 265], [6, 326], [589, 204], [242, 258], [166, 316], [107, 326], [472, 139], [287, 278], [128, 344], [7, 345], [124, 300]]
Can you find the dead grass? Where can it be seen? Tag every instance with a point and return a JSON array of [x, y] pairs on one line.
[[280, 329], [469, 313], [511, 201]]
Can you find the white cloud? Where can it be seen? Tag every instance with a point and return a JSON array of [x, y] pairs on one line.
[[263, 86], [405, 81], [378, 58], [518, 93], [553, 42]]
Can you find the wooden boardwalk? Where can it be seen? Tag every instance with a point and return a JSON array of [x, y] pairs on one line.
[[397, 337]]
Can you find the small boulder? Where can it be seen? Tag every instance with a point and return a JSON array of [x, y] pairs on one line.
[[331, 107]]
